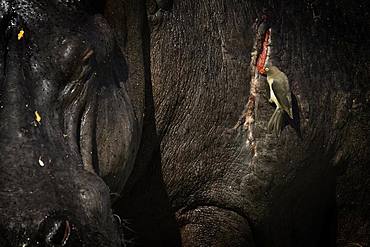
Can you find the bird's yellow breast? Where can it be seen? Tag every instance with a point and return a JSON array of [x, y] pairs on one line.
[[272, 94]]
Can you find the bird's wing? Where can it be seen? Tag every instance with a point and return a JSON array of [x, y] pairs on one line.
[[281, 95]]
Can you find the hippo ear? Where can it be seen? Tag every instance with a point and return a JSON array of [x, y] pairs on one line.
[[120, 99], [113, 118], [117, 130], [126, 19]]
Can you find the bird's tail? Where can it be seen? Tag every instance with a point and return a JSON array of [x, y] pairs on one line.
[[275, 124]]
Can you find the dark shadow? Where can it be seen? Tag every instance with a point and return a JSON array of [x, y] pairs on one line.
[[296, 121], [93, 7], [329, 233], [144, 206]]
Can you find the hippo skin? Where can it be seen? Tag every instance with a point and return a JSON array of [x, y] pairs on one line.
[[143, 122]]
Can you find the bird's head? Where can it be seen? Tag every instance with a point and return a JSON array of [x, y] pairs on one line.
[[270, 69]]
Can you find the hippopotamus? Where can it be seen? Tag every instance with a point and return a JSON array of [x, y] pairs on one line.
[[70, 121], [121, 125]]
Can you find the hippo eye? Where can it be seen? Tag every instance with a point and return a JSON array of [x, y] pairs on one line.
[[75, 82], [84, 68], [73, 54]]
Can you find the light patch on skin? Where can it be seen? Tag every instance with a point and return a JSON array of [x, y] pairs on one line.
[[37, 117], [68, 49], [20, 34], [41, 163]]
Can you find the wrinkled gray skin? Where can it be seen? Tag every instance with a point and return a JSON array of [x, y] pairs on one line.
[[69, 69], [230, 182]]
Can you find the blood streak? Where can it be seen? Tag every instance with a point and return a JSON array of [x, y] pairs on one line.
[[263, 57]]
